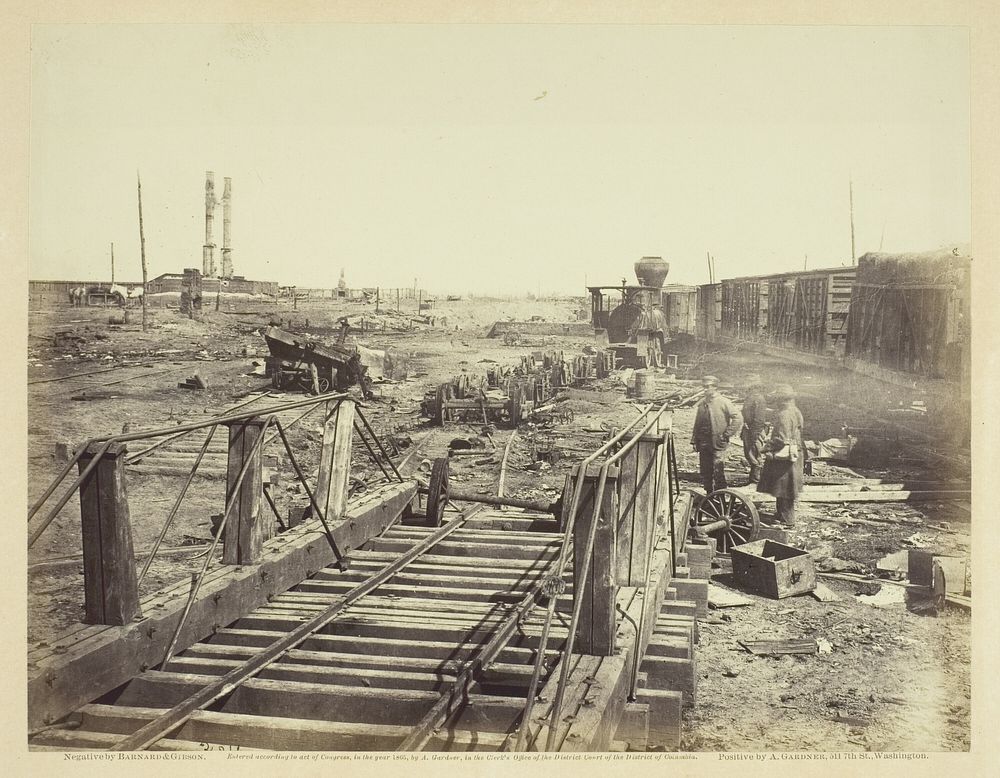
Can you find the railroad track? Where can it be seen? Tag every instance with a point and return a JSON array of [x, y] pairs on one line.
[[367, 678]]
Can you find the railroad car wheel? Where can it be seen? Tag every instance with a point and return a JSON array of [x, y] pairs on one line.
[[441, 395], [437, 492], [738, 512]]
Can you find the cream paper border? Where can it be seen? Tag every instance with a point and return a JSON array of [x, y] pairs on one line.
[[980, 17]]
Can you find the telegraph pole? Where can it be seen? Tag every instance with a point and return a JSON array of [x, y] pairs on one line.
[[850, 192], [142, 251]]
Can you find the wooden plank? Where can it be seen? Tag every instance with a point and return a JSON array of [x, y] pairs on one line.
[[246, 528], [369, 706], [719, 597], [366, 677], [633, 728], [644, 517], [390, 648], [430, 592], [596, 627], [249, 731], [470, 561], [824, 593], [335, 461], [491, 551], [678, 646], [665, 720], [72, 740], [672, 674], [424, 580], [94, 660], [853, 495], [628, 491], [787, 646], [111, 593], [498, 537]]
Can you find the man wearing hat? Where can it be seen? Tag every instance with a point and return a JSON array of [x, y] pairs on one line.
[[716, 421], [754, 420], [782, 474]]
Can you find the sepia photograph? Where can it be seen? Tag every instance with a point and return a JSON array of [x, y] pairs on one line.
[[455, 388]]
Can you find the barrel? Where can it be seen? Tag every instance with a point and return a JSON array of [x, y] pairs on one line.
[[645, 384]]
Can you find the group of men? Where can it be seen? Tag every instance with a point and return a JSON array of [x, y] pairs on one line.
[[772, 441]]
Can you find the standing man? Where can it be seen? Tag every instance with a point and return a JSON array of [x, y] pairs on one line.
[[782, 474], [754, 419], [716, 421]]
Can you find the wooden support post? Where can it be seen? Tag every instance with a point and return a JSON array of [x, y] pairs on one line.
[[111, 594], [335, 462], [638, 499], [245, 531], [595, 632]]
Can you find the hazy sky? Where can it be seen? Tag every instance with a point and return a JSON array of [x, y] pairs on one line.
[[503, 158]]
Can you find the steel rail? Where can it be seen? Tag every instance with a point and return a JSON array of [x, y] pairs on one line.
[[170, 720], [581, 472], [233, 497], [177, 504], [124, 438], [582, 575], [446, 706]]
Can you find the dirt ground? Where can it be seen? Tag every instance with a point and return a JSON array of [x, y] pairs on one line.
[[887, 678]]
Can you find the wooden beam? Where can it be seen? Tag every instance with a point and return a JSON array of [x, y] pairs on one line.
[[335, 461], [111, 592], [637, 507], [491, 551], [90, 661], [596, 627], [246, 529], [401, 649], [664, 717]]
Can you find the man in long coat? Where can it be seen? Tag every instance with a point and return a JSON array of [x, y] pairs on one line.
[[754, 419], [782, 474], [716, 421]]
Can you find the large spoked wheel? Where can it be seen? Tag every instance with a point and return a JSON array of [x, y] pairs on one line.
[[437, 492], [728, 516]]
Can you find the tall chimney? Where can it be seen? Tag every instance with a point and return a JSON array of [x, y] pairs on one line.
[[208, 250], [227, 250]]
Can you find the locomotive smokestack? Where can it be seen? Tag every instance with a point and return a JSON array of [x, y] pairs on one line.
[[208, 250], [227, 250], [651, 271]]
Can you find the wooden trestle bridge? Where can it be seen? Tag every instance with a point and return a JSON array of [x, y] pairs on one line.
[[377, 623]]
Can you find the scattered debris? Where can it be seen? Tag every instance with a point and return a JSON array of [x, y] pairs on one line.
[[777, 647], [832, 564], [194, 382], [719, 597], [893, 566], [824, 593]]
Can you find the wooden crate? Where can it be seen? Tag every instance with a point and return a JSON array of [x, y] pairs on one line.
[[773, 569]]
